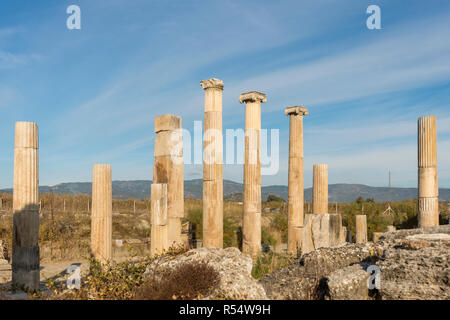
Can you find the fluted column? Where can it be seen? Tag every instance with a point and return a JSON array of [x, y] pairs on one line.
[[295, 182], [428, 201], [159, 220], [168, 168], [213, 165], [320, 188], [361, 228], [25, 247], [101, 216], [251, 225]]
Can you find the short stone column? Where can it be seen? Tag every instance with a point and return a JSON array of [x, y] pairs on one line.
[[25, 247], [159, 219], [251, 226], [343, 235], [428, 202], [213, 165], [391, 228], [295, 182], [320, 188], [101, 216], [361, 228], [168, 168]]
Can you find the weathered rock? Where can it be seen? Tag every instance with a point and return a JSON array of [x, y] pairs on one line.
[[306, 277], [349, 283], [3, 250], [414, 264], [321, 231], [236, 281]]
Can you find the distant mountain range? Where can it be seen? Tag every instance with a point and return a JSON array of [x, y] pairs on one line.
[[140, 189]]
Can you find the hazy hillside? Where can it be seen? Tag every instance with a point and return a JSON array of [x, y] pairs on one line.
[[140, 189]]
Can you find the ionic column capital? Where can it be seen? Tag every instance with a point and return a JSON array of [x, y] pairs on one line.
[[252, 96], [296, 110], [212, 83]]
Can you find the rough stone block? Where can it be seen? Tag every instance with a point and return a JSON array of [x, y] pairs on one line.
[[349, 283], [167, 122]]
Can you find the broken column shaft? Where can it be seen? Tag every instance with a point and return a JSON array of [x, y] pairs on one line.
[[361, 228], [25, 247], [428, 202], [295, 182], [101, 217], [320, 188], [213, 165], [168, 168], [159, 227], [251, 225]]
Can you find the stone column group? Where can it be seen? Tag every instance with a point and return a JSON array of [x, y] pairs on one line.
[[167, 191]]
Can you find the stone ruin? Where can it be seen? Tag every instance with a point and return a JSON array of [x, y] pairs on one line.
[[306, 233]]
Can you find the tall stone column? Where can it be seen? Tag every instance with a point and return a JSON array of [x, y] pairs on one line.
[[320, 188], [428, 202], [25, 247], [213, 165], [251, 225], [168, 168], [159, 221], [101, 216], [361, 228], [295, 182]]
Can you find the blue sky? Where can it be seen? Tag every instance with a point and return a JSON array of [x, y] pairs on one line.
[[94, 92]]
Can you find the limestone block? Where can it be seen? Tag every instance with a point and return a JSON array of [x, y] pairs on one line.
[[169, 143], [361, 228], [391, 228], [343, 235], [307, 240], [349, 283], [376, 236], [213, 214], [159, 204], [167, 122]]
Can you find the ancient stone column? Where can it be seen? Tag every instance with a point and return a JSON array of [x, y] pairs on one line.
[[101, 216], [168, 168], [428, 202], [320, 188], [361, 228], [159, 220], [391, 228], [25, 248], [251, 225], [213, 165], [295, 182]]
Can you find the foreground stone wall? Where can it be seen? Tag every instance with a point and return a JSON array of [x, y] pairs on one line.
[[414, 264]]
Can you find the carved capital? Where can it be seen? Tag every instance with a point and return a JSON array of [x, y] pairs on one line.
[[296, 110], [252, 96], [212, 83]]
